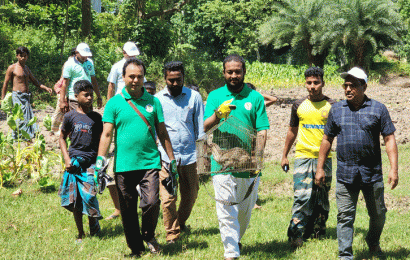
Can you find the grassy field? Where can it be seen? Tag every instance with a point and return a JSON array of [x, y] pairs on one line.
[[34, 226]]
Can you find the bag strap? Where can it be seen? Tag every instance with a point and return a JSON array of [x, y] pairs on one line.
[[141, 115]]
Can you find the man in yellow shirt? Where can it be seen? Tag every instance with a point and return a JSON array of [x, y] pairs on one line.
[[308, 118]]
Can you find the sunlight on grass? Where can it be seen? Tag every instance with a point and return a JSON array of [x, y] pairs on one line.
[[34, 226]]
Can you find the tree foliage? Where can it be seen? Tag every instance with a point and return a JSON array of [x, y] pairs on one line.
[[296, 23]]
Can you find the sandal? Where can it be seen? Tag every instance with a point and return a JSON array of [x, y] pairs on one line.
[[112, 217]]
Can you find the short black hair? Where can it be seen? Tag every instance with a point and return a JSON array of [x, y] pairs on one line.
[[314, 72], [82, 85], [21, 50], [234, 57], [150, 85], [174, 66], [134, 61]]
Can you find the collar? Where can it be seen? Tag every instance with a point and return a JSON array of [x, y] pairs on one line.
[[183, 93], [127, 96], [366, 102], [244, 92]]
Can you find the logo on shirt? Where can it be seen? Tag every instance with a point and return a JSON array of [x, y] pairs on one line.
[[248, 105], [82, 127], [310, 126], [149, 108]]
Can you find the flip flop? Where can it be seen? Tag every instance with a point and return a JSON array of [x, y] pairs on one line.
[[112, 217]]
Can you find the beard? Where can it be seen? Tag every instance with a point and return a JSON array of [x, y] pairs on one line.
[[234, 87]]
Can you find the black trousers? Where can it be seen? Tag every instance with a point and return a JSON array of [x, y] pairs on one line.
[[150, 204]]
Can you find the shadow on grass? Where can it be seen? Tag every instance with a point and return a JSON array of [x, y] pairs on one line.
[[182, 245], [399, 253], [113, 229], [272, 249], [205, 231]]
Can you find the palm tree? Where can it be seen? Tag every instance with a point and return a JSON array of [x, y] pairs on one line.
[[360, 28], [297, 23]]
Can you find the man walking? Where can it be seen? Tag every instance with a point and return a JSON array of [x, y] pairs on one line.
[[136, 115], [115, 85], [358, 122], [79, 68], [308, 119], [20, 75], [232, 186], [183, 117]]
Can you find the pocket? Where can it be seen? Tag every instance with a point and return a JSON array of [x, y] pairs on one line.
[[368, 122], [187, 114]]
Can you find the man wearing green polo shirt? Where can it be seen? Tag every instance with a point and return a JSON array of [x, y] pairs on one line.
[[137, 160], [232, 187]]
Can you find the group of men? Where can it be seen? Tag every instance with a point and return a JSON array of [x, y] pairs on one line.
[[175, 116]]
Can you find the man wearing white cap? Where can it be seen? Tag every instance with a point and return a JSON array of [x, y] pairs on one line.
[[358, 122], [115, 85], [115, 81], [79, 68]]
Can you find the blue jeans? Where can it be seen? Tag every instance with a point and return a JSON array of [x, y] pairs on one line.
[[346, 199]]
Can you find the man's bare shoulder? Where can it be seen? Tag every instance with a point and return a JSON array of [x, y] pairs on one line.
[[11, 68]]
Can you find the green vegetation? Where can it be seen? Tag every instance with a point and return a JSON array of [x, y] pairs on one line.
[[35, 226]]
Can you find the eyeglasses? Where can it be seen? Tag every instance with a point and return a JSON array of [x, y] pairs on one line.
[[355, 85]]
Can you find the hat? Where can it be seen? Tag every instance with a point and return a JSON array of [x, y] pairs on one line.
[[356, 72], [131, 49], [84, 49]]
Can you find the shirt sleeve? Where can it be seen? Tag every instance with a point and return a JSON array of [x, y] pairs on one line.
[[294, 119], [67, 70], [331, 128], [262, 120], [112, 77], [211, 105], [92, 70], [199, 117], [109, 111], [386, 125], [66, 124], [158, 110]]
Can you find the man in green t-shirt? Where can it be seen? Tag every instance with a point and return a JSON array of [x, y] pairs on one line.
[[232, 187], [137, 160]]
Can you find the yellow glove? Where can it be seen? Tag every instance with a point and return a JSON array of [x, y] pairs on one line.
[[225, 109]]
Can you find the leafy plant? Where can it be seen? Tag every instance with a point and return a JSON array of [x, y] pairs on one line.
[[47, 122]]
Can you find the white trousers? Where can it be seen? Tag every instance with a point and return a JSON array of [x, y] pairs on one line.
[[233, 220]]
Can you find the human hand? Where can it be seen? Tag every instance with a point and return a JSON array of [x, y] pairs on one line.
[[99, 164], [285, 164], [68, 166], [173, 169], [225, 109], [320, 177], [64, 106], [393, 178]]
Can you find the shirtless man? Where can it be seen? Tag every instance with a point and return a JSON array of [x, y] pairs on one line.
[[20, 75]]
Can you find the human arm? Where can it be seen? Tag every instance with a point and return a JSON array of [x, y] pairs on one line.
[[110, 91], [269, 100], [63, 147], [63, 98], [7, 78], [261, 137], [392, 153], [105, 140], [324, 150], [163, 137], [290, 139], [38, 84], [199, 118], [97, 91]]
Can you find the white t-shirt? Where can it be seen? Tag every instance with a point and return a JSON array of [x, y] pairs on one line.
[[115, 76]]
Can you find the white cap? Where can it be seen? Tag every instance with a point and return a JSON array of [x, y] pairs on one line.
[[84, 49], [356, 72], [131, 49]]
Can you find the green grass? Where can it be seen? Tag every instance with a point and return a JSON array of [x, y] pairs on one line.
[[34, 226]]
